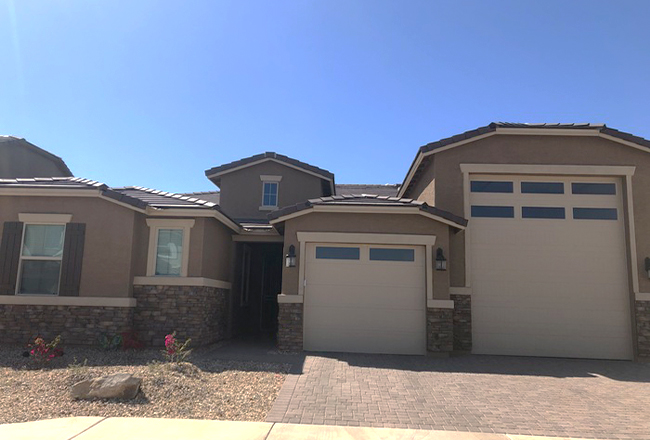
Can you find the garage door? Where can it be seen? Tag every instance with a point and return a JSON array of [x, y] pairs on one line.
[[549, 267], [365, 298]]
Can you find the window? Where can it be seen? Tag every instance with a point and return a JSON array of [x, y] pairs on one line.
[[40, 259], [169, 252], [542, 188], [270, 196], [169, 242], [595, 214], [594, 188], [542, 212], [392, 254], [491, 187], [337, 253], [270, 189], [493, 211]]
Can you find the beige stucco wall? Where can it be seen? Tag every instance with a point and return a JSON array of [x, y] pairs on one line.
[[106, 270], [241, 190], [537, 150], [365, 223], [19, 161], [217, 250]]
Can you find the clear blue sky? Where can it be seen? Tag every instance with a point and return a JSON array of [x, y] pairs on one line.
[[152, 93]]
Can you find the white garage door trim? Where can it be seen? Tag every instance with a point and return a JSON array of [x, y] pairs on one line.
[[558, 203]]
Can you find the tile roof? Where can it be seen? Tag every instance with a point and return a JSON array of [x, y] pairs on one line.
[[367, 200], [269, 155], [362, 188], [602, 128], [22, 142], [208, 196], [136, 196]]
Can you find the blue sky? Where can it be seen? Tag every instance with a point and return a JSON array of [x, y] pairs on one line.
[[152, 93]]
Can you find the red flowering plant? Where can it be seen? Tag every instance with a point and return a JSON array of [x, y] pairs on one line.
[[175, 351], [43, 352]]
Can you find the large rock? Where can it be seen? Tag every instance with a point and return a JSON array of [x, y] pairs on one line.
[[115, 386]]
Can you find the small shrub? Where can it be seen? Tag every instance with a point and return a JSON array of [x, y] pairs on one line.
[[43, 352], [175, 351], [130, 341], [110, 342], [78, 370]]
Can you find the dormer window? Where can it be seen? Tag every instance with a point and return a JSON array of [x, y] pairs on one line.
[[270, 187]]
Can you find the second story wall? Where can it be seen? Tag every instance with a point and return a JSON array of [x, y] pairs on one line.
[[242, 190]]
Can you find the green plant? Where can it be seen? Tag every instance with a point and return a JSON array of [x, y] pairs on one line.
[[110, 342], [77, 369], [175, 351]]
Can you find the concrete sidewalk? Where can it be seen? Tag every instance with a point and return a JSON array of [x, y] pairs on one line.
[[123, 428]]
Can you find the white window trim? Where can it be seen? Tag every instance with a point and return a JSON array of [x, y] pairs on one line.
[[40, 219], [154, 226], [270, 179]]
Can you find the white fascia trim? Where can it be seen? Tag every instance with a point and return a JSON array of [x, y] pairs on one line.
[[365, 238], [413, 210], [267, 159], [549, 131], [581, 170], [290, 299], [267, 178], [53, 300], [258, 237], [440, 304], [421, 156], [44, 192], [460, 291], [180, 281], [202, 213], [44, 218]]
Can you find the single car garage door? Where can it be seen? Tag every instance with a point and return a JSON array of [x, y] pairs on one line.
[[549, 267], [365, 298]]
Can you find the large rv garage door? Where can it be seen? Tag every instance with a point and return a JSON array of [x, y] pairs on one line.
[[549, 267]]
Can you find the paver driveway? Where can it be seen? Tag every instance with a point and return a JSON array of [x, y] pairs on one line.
[[552, 397]]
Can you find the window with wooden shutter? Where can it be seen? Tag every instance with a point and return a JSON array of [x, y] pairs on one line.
[[12, 234]]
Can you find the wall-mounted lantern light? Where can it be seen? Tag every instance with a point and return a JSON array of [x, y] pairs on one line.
[[441, 261], [290, 259], [647, 266]]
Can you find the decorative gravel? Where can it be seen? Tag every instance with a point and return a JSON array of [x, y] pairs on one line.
[[203, 388]]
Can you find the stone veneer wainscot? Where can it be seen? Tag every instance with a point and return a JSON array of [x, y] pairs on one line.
[[642, 309], [196, 312], [440, 330], [290, 319], [462, 322], [76, 324]]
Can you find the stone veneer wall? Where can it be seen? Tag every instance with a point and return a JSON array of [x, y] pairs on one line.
[[290, 327], [462, 322], [440, 330], [75, 324], [200, 313], [642, 310]]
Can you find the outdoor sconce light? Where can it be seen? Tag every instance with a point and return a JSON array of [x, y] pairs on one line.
[[290, 259], [647, 266], [441, 261]]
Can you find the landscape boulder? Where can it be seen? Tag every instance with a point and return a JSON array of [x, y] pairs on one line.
[[115, 386]]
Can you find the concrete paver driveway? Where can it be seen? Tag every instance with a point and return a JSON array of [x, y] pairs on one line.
[[528, 396]]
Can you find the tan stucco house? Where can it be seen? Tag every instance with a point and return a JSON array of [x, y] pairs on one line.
[[511, 239]]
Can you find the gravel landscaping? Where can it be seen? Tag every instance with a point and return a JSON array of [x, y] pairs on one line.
[[203, 388]]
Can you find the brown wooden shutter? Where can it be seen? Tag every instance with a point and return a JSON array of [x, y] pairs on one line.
[[12, 235], [73, 252]]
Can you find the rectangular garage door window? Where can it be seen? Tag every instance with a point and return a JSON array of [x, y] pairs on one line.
[[593, 188], [595, 214], [542, 188], [384, 254], [491, 187], [337, 253], [542, 212], [493, 211]]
